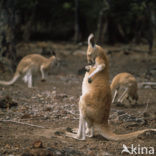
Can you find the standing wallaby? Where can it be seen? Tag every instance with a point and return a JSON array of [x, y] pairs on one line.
[[95, 102], [29, 65], [129, 83]]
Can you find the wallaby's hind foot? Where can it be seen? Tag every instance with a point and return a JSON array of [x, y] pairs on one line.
[[89, 132], [30, 81], [43, 80], [75, 136]]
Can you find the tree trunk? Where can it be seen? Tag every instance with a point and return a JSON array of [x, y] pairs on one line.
[[7, 30], [102, 21], [100, 26], [77, 28]]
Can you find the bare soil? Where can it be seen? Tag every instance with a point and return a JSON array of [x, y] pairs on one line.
[[52, 106]]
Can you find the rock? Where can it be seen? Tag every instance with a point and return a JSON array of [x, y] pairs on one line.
[[48, 109], [71, 152], [68, 129], [65, 152], [55, 151], [37, 144], [7, 102], [60, 96], [26, 116], [58, 133], [7, 146], [126, 52], [38, 152]]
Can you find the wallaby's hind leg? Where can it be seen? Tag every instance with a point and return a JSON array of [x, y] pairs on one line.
[[136, 101], [82, 125], [28, 79], [81, 131], [25, 78], [89, 130], [123, 96], [115, 95], [42, 73], [132, 100], [129, 99]]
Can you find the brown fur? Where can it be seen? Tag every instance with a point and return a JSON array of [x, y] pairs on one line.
[[29, 65], [95, 102]]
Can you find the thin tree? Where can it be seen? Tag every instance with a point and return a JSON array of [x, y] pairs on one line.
[[7, 30], [77, 28], [102, 21]]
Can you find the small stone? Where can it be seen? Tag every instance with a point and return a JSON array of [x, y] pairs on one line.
[[58, 133], [26, 116], [68, 129], [37, 144]]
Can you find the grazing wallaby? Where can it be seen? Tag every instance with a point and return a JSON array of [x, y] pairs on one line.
[[29, 65], [129, 83], [95, 102]]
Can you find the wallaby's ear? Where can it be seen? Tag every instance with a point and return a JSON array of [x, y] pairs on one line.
[[91, 40], [53, 53]]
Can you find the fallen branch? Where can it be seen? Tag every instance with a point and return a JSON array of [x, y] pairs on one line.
[[127, 49], [142, 84], [148, 83], [23, 123], [137, 50]]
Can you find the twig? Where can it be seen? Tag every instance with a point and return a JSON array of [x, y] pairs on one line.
[[147, 83], [145, 108], [74, 115], [23, 123], [71, 112]]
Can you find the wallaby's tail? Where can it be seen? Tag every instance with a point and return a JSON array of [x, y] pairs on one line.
[[14, 79], [108, 134]]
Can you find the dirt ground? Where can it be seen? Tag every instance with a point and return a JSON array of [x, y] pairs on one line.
[[52, 106]]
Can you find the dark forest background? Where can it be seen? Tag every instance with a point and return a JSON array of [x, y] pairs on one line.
[[112, 21]]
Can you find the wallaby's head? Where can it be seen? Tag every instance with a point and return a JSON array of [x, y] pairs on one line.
[[53, 57], [91, 51], [55, 61]]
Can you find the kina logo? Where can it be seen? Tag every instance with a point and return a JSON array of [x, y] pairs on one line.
[[138, 150]]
